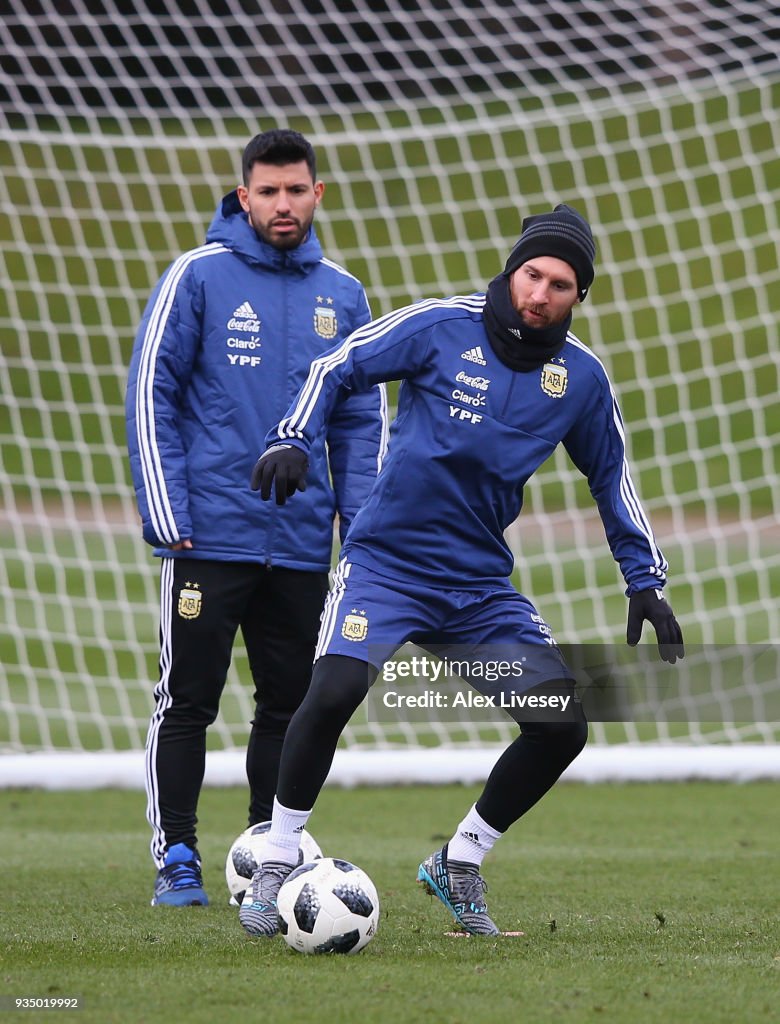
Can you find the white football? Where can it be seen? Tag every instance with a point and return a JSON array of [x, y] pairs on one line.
[[246, 853], [328, 906]]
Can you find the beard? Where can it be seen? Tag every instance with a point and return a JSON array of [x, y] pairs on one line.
[[542, 318], [289, 239]]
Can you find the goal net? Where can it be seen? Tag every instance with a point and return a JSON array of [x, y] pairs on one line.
[[438, 126]]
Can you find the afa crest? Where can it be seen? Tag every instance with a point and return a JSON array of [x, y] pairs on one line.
[[325, 322], [554, 380], [355, 626], [190, 601]]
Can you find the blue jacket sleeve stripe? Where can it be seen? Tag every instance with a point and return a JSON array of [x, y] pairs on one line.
[[160, 511], [632, 505], [384, 418], [295, 424]]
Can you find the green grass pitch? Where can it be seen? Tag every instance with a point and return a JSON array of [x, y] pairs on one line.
[[646, 903]]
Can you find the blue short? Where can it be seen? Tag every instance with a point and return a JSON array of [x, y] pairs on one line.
[[369, 617]]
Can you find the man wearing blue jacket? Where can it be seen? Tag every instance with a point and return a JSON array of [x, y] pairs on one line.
[[225, 343], [491, 384]]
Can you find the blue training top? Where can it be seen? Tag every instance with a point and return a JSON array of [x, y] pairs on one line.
[[468, 435]]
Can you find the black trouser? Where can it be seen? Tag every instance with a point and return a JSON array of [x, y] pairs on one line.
[[522, 775], [203, 603]]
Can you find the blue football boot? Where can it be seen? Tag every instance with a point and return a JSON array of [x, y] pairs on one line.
[[179, 882]]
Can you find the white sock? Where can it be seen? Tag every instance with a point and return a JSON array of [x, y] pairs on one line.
[[284, 837], [472, 840]]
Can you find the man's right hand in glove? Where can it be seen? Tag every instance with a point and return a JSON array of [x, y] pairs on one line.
[[284, 466]]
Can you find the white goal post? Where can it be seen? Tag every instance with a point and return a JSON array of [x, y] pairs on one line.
[[436, 132]]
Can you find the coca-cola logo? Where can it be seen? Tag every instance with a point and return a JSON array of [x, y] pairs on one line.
[[252, 326], [480, 383]]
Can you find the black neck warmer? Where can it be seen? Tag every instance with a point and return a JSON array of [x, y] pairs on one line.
[[517, 345]]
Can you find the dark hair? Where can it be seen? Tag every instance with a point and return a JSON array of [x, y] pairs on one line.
[[279, 146]]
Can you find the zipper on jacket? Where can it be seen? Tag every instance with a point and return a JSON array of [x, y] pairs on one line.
[[279, 412]]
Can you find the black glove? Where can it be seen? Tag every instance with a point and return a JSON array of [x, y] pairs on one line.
[[653, 606], [285, 464]]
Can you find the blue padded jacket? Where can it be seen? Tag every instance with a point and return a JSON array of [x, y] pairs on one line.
[[225, 343]]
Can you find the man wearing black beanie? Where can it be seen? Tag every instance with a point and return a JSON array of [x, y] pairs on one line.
[[565, 234], [491, 384], [524, 331]]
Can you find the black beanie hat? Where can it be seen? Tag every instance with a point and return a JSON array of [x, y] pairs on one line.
[[564, 233]]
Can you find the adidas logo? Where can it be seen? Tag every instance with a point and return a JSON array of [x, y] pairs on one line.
[[245, 312], [474, 355], [472, 837], [244, 319]]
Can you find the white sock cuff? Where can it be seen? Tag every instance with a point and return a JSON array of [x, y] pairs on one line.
[[284, 836], [477, 818], [473, 838], [284, 813]]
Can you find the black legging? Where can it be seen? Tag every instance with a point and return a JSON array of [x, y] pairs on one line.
[[529, 767], [338, 687], [520, 777]]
